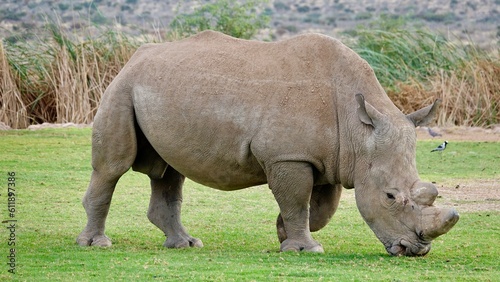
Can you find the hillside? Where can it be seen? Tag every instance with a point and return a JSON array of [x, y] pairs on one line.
[[477, 19]]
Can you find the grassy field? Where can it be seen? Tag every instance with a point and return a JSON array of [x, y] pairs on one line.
[[52, 169]]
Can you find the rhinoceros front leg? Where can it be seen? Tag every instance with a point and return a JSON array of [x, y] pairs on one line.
[[324, 202], [165, 210], [292, 184]]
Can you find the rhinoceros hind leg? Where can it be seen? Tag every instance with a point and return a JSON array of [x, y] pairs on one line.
[[96, 202], [324, 202], [113, 152], [292, 184], [165, 210]]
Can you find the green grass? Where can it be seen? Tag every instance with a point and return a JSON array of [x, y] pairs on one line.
[[460, 160], [237, 228]]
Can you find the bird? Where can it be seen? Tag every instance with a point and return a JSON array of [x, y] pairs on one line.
[[440, 147], [433, 133]]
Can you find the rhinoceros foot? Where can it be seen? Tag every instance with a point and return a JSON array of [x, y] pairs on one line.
[[308, 246], [185, 241], [93, 240]]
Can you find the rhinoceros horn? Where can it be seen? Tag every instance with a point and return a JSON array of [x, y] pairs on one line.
[[424, 194], [436, 221]]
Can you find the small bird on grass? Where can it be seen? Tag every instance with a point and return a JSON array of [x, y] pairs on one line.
[[441, 147], [432, 132]]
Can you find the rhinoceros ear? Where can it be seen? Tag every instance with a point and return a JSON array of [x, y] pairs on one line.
[[424, 115], [367, 113]]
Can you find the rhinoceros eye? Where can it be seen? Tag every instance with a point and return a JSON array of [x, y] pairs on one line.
[[390, 196], [421, 235]]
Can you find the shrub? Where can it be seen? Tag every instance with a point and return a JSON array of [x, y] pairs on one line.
[[303, 9], [240, 20], [63, 6], [436, 17], [291, 28], [280, 6], [363, 16], [314, 18]]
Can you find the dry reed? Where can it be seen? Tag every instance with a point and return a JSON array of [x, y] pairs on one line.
[[12, 108], [470, 96], [57, 79]]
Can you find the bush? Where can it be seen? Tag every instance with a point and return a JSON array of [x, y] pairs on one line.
[[436, 17], [11, 15], [314, 18], [240, 20], [63, 6], [280, 6], [303, 9], [363, 16]]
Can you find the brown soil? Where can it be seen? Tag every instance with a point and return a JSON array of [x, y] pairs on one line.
[[470, 195], [461, 133]]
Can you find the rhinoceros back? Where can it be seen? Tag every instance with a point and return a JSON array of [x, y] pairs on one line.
[[218, 109]]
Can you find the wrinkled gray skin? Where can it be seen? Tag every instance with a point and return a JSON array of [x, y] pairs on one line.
[[231, 114]]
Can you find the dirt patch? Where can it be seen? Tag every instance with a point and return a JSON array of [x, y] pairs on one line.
[[57, 125], [460, 133], [470, 195]]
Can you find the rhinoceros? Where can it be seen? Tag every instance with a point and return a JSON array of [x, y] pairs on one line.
[[305, 115]]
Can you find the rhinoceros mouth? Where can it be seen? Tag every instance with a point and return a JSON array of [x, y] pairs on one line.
[[406, 248]]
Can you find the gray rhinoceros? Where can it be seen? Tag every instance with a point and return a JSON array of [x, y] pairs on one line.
[[230, 114]]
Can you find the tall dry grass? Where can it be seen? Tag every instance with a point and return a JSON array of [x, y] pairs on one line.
[[60, 77], [13, 110], [470, 96]]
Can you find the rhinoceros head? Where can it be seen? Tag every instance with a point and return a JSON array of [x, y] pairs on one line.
[[396, 205]]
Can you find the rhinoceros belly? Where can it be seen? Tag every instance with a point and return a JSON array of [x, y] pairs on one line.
[[207, 139]]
